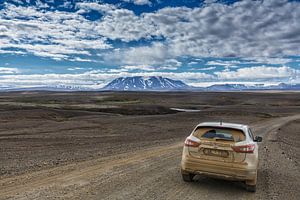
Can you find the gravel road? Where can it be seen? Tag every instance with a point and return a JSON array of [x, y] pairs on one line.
[[154, 173]]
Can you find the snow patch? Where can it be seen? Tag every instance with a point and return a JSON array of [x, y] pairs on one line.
[[185, 110]]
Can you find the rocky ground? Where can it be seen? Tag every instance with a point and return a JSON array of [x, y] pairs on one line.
[[128, 145]]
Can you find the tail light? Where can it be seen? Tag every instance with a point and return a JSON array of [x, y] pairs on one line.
[[249, 148], [191, 143]]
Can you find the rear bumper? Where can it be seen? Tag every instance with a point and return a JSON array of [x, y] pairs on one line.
[[229, 171]]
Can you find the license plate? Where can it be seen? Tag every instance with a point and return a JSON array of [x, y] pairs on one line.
[[215, 152]]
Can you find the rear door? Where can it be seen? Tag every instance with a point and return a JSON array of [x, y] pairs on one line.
[[215, 144]]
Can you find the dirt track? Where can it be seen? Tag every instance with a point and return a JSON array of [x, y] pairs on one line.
[[152, 172]]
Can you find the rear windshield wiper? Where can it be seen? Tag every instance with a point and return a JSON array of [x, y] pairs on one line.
[[226, 139]]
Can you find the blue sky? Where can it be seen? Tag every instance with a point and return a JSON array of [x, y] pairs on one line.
[[89, 43]]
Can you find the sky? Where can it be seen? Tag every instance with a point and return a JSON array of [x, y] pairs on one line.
[[88, 43]]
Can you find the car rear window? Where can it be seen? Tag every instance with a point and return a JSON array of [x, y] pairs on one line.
[[216, 133]]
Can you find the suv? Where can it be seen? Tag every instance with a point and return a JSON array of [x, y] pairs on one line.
[[221, 150]]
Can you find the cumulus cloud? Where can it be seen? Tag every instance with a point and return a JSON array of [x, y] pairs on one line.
[[210, 1], [78, 59], [54, 34], [138, 67], [272, 60], [40, 4], [243, 29], [123, 24], [192, 63], [205, 68], [260, 72], [139, 2], [101, 7], [225, 63], [155, 54], [8, 70], [74, 68], [17, 1]]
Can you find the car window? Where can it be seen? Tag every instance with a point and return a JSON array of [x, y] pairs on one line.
[[215, 133], [221, 134]]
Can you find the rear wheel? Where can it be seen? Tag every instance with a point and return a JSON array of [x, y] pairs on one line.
[[188, 177], [251, 188], [251, 184]]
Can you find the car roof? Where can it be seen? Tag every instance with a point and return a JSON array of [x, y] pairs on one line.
[[242, 127]]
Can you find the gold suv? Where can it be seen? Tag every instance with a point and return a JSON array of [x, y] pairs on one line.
[[221, 150]]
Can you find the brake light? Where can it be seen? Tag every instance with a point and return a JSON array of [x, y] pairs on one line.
[[190, 143], [249, 148]]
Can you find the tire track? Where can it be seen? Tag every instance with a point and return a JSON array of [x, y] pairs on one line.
[[147, 174], [9, 187]]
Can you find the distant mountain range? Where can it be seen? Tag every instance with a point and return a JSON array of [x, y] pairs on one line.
[[158, 83], [242, 87]]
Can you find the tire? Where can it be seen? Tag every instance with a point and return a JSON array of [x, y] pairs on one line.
[[251, 188], [187, 177], [251, 184]]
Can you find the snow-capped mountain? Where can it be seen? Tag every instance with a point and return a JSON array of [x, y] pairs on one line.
[[138, 83]]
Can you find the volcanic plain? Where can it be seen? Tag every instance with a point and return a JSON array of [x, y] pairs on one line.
[[127, 145]]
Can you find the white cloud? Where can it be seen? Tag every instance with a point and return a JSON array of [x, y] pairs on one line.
[[209, 1], [256, 73], [192, 63], [8, 70], [54, 34], [54, 51], [145, 55], [244, 29], [40, 4], [206, 68], [75, 68], [102, 7], [123, 24], [262, 31], [227, 62], [139, 2], [138, 67], [17, 1], [272, 60], [12, 52], [78, 59], [173, 62], [66, 4]]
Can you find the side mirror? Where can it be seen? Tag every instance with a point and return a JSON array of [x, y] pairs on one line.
[[257, 139]]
